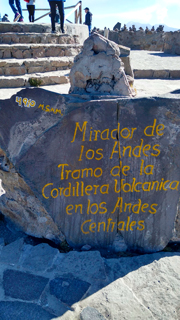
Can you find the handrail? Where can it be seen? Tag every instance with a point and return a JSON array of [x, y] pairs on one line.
[[77, 16]]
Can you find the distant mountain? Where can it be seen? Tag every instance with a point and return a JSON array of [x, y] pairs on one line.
[[143, 25]]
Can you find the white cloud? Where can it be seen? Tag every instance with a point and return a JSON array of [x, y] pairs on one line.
[[161, 13], [142, 15], [170, 2], [156, 13]]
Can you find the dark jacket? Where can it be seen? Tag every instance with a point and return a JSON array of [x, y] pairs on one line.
[[5, 19], [88, 18]]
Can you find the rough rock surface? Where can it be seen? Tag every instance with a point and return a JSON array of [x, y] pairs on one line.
[[98, 69], [101, 173]]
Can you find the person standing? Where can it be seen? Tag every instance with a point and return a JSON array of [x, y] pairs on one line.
[[31, 10], [88, 19], [17, 10], [60, 5]]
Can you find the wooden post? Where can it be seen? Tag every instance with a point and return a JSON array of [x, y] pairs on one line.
[[76, 16], [80, 12]]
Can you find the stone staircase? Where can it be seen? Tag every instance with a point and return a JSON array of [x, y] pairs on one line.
[[30, 51]]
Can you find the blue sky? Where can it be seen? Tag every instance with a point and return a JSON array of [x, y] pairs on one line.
[[107, 13]]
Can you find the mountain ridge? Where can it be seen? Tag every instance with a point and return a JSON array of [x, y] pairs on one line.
[[144, 25]]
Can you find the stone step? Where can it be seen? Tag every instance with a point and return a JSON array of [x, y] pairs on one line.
[[22, 51], [156, 74], [46, 78], [12, 67], [24, 27], [80, 30], [10, 38], [154, 65]]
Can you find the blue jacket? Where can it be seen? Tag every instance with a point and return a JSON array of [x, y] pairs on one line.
[[88, 18], [58, 0]]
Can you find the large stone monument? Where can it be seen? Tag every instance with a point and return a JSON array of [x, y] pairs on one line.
[[99, 69], [91, 170]]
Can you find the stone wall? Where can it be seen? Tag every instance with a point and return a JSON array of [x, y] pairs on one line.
[[138, 40], [172, 42], [169, 42]]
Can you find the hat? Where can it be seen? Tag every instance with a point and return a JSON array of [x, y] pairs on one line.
[[86, 8]]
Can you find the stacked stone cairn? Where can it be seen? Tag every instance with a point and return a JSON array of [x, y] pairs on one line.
[[98, 69]]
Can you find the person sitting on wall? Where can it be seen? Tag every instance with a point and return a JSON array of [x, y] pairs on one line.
[[5, 18], [88, 19]]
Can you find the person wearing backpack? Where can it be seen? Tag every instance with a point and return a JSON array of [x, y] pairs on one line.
[[31, 10], [60, 5]]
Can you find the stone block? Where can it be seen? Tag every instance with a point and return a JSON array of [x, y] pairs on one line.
[[36, 69], [124, 51], [3, 63], [26, 54], [90, 313], [68, 40], [51, 79], [61, 63], [127, 66], [75, 263], [2, 71], [39, 258], [71, 52], [53, 39], [38, 53], [143, 74], [177, 50], [54, 52], [52, 304], [17, 310], [174, 74], [24, 286], [18, 54], [6, 54], [49, 69], [9, 233], [161, 74], [12, 83], [11, 253], [68, 290], [15, 38], [13, 71], [6, 39]]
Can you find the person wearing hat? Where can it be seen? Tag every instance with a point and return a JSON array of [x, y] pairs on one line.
[[88, 19], [5, 18]]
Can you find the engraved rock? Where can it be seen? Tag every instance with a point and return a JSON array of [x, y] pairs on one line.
[[103, 173]]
